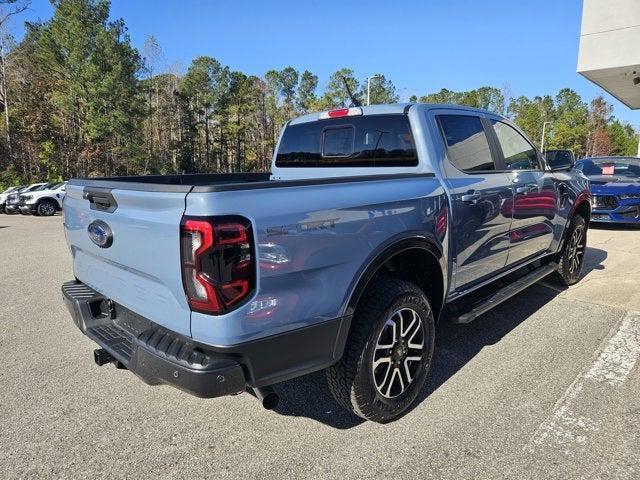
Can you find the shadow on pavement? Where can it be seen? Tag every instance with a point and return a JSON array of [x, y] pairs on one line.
[[593, 260], [456, 345], [309, 396]]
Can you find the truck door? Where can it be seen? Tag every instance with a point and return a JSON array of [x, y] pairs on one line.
[[480, 197], [535, 201]]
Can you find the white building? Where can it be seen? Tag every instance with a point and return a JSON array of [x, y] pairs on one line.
[[609, 53]]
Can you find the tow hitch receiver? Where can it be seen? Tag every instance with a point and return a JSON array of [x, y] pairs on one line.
[[102, 357]]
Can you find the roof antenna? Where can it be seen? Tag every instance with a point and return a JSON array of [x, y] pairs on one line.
[[354, 100]]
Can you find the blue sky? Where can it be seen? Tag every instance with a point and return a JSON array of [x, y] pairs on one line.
[[529, 46]]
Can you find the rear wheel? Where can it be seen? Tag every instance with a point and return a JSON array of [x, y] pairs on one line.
[[46, 208], [572, 255], [388, 354]]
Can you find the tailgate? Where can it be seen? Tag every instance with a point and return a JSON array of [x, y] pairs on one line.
[[141, 268]]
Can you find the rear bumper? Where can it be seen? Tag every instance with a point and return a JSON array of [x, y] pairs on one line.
[[156, 355], [160, 356]]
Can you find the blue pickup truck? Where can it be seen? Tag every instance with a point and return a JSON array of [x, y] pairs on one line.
[[374, 223]]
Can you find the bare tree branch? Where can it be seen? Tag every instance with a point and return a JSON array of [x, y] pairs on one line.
[[18, 6]]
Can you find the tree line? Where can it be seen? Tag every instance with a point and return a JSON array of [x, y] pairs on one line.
[[79, 100], [589, 129]]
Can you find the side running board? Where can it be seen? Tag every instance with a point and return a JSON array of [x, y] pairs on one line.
[[504, 294]]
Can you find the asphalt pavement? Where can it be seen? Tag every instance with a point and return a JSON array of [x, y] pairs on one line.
[[545, 386]]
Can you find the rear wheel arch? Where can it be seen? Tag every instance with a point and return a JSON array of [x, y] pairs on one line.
[[415, 259]]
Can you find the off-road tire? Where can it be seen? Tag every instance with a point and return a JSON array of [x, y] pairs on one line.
[[351, 380]]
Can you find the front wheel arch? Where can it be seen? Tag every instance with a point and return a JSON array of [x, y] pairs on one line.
[[584, 210], [582, 207], [40, 201], [573, 250]]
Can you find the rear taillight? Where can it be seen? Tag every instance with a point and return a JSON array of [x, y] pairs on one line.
[[218, 267]]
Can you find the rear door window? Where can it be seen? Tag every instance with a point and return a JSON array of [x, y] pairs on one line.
[[358, 141], [467, 144]]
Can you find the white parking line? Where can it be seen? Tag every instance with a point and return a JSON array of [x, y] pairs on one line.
[[564, 429], [620, 354]]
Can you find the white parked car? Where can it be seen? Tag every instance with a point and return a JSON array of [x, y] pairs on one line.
[[45, 201], [6, 193], [12, 205]]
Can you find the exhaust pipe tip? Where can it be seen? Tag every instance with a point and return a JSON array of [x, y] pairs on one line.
[[267, 397]]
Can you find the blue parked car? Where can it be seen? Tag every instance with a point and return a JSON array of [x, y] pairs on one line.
[[615, 188]]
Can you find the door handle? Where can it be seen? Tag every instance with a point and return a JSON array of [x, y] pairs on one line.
[[471, 197], [524, 189]]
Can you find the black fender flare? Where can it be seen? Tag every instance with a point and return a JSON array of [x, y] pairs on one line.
[[382, 254], [378, 257], [583, 198]]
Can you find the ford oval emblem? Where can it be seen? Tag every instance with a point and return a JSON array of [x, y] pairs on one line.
[[100, 233]]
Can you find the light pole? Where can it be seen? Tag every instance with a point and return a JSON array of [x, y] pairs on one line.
[[544, 125], [369, 87]]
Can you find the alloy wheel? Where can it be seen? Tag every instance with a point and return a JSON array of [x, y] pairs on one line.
[[46, 209], [399, 353], [576, 250]]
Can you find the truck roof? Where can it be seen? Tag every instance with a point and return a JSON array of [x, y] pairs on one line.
[[392, 108]]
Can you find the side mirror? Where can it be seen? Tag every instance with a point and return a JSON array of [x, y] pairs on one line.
[[560, 159]]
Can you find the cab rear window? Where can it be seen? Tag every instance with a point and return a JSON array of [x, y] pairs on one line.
[[364, 141]]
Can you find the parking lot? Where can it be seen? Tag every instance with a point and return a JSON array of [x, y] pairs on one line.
[[545, 386]]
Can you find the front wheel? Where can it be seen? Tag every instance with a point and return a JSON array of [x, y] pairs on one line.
[[46, 208], [572, 255], [388, 354]]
